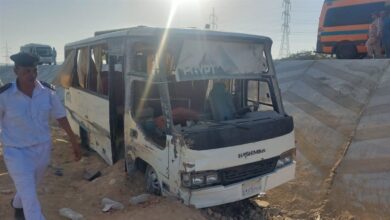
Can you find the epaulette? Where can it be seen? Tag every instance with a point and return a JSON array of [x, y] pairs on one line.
[[48, 85], [5, 87]]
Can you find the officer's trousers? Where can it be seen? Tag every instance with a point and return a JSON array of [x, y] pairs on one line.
[[26, 166], [374, 49]]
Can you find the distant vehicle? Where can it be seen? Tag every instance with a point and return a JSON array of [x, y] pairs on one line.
[[201, 114], [343, 26], [44, 52]]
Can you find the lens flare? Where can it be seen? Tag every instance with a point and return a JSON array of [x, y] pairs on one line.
[[158, 56]]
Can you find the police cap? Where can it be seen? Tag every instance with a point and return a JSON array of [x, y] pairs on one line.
[[25, 59]]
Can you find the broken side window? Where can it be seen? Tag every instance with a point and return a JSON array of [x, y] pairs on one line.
[[64, 76], [92, 73], [259, 96], [144, 59], [81, 68], [143, 55], [147, 111], [99, 69]]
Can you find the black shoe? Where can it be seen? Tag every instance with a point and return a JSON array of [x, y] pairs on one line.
[[19, 214]]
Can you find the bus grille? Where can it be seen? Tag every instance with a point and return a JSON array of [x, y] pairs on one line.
[[248, 171]]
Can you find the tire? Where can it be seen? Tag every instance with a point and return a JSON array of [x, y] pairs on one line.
[[153, 185], [346, 51]]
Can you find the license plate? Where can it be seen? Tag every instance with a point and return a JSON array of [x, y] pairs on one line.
[[251, 188]]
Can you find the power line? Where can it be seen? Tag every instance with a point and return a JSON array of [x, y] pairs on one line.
[[285, 44]]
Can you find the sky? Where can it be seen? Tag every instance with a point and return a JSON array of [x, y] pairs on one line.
[[57, 22]]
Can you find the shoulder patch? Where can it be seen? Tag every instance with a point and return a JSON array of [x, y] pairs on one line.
[[5, 87], [48, 85]]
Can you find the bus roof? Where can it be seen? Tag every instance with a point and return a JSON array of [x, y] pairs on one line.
[[143, 31], [36, 45]]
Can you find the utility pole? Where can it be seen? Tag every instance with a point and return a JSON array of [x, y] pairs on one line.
[[285, 44], [6, 53], [213, 20]]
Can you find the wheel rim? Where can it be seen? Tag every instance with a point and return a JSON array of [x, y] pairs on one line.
[[153, 184]]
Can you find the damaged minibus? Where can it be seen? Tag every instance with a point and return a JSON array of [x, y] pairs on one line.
[[200, 112]]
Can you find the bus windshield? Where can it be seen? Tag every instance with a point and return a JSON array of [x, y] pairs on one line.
[[191, 60], [352, 15], [44, 51]]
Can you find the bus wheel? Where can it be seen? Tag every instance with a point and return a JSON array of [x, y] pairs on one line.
[[152, 182], [346, 51]]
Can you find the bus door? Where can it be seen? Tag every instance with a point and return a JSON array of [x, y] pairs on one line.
[[116, 106]]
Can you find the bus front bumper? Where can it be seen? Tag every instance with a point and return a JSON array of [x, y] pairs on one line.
[[213, 196], [45, 60]]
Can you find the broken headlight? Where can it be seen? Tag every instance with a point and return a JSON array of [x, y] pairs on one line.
[[201, 179], [286, 158]]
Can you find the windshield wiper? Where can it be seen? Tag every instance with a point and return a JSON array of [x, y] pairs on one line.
[[226, 123]]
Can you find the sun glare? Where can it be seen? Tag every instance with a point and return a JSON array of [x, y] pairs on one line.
[[175, 4], [183, 1], [159, 52]]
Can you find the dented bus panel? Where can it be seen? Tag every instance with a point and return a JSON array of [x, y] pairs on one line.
[[200, 112]]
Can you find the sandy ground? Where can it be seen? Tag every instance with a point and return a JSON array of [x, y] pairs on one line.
[[72, 191]]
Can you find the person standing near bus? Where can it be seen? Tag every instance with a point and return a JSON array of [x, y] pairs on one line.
[[386, 33], [373, 43], [25, 108]]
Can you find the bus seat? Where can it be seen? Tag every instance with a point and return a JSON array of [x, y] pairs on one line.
[[144, 114], [221, 103], [104, 80]]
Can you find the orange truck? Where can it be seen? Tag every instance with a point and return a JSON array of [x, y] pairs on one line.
[[343, 26]]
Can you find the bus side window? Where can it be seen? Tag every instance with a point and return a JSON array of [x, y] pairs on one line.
[[81, 68], [75, 77], [259, 95], [92, 73], [99, 61], [140, 62]]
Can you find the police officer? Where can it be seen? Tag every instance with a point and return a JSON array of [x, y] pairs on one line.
[[25, 108], [386, 32], [373, 43]]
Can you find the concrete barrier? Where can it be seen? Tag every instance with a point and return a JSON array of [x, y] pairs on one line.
[[362, 183], [339, 109]]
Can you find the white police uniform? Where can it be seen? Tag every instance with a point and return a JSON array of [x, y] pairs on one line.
[[26, 139]]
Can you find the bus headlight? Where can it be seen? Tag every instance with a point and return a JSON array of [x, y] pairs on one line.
[[198, 180], [201, 179], [286, 158], [212, 178]]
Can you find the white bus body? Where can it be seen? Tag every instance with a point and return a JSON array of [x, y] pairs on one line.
[[200, 112], [42, 51]]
